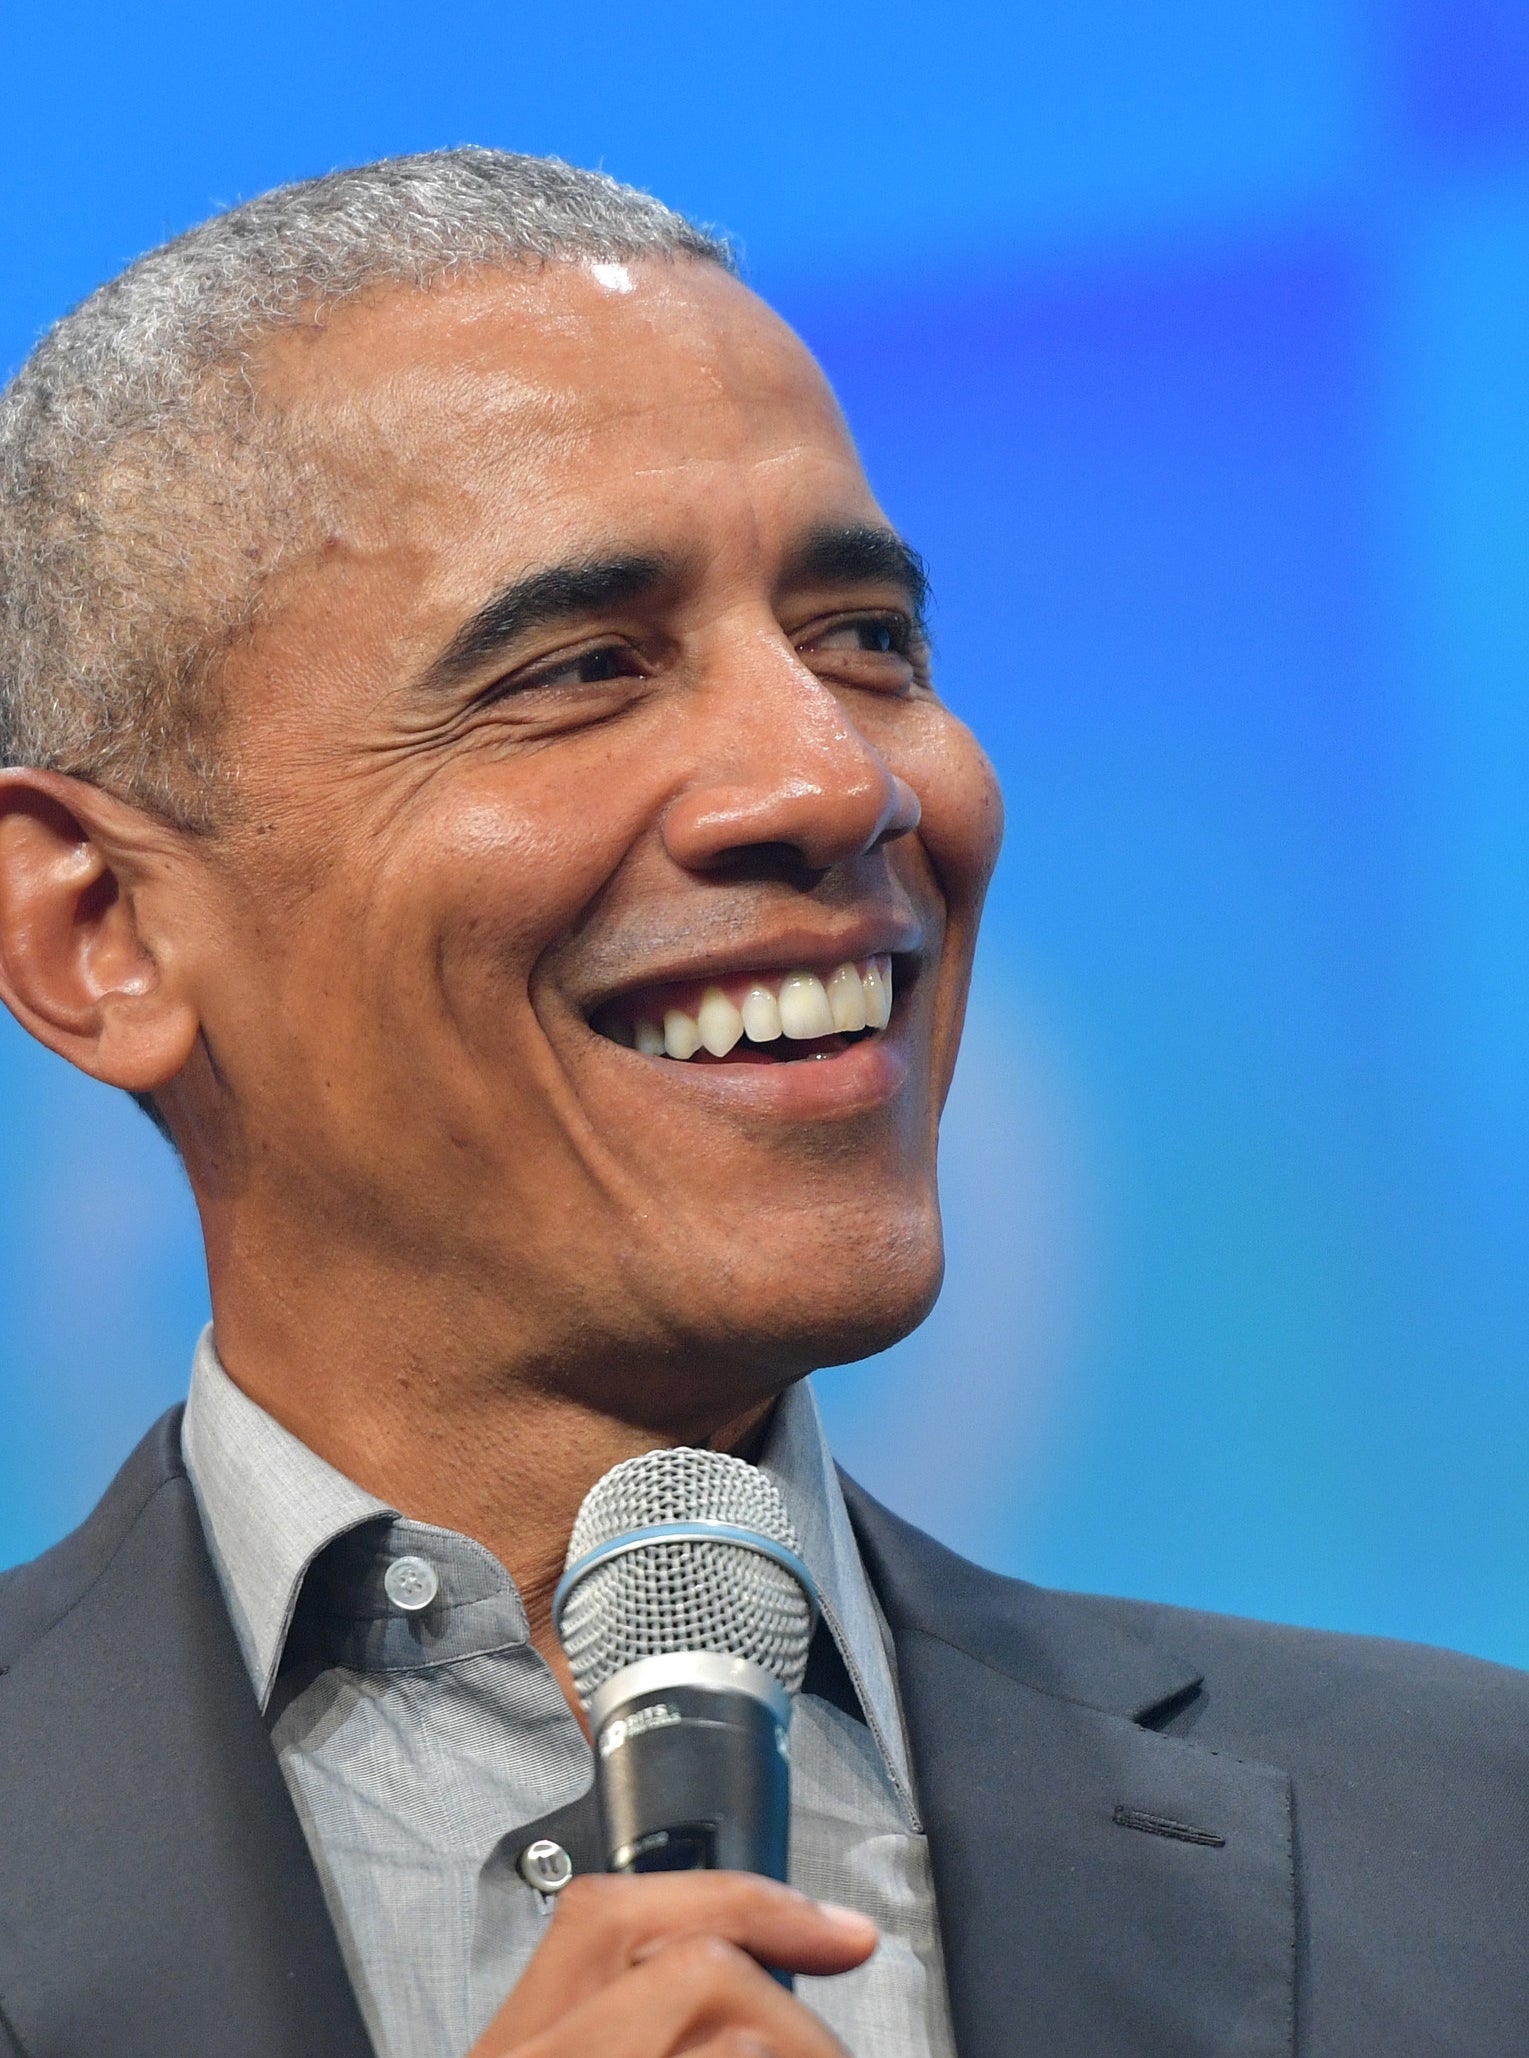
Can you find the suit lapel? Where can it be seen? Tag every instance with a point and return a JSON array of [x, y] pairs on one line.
[[157, 1894], [1102, 1889]]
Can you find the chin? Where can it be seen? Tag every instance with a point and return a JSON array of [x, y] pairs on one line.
[[810, 1314]]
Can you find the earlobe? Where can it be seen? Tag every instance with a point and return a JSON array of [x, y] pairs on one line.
[[80, 965]]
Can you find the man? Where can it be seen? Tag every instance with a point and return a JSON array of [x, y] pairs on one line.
[[475, 776]]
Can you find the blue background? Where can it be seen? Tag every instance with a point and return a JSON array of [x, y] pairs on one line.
[[1191, 343]]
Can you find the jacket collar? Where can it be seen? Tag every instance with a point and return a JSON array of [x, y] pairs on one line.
[[1060, 1644], [1102, 1887]]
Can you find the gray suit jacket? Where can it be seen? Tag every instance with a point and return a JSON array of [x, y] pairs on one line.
[[1155, 1834]]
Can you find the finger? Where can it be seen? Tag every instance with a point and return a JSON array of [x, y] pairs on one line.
[[605, 1923], [833, 1939], [695, 1992], [772, 1922]]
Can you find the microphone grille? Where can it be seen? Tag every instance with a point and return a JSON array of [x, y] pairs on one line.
[[673, 1595]]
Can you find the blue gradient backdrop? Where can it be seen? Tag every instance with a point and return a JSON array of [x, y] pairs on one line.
[[1191, 343]]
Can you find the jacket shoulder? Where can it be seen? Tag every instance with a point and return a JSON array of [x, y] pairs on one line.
[[1237, 1643], [1255, 1681], [36, 1596], [1315, 1691]]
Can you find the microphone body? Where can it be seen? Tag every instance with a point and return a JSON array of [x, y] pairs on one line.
[[686, 1613], [692, 1768]]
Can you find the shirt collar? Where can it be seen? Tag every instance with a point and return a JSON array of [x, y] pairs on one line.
[[271, 1506], [797, 1458]]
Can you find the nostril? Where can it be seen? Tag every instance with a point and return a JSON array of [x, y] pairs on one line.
[[783, 863]]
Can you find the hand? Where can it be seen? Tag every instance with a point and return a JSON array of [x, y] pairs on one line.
[[671, 1962]]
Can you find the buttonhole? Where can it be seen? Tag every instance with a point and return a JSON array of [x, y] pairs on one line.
[[1164, 1825]]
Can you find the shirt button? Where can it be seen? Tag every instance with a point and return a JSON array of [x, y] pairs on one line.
[[411, 1584], [545, 1866]]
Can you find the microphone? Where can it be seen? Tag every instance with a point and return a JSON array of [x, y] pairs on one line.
[[686, 1613]]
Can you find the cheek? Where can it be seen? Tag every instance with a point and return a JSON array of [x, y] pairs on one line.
[[492, 880], [520, 866], [962, 822], [443, 911], [507, 872]]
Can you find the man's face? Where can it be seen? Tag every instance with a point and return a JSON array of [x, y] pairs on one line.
[[601, 715]]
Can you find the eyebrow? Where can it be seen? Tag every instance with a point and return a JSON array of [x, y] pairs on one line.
[[543, 599], [854, 553], [838, 553]]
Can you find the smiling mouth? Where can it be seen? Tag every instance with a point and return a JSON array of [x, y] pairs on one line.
[[757, 1018]]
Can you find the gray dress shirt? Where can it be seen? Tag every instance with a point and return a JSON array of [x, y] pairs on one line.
[[415, 1745]]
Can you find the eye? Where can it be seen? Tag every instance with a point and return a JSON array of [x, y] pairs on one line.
[[874, 653], [879, 635], [594, 667], [590, 667]]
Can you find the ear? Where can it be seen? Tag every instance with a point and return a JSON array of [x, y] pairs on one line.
[[87, 960]]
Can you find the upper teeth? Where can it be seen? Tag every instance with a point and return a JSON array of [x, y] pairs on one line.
[[796, 1005]]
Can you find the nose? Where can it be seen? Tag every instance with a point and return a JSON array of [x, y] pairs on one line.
[[793, 776]]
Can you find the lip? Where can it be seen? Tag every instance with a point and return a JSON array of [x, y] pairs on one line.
[[859, 1079], [782, 951]]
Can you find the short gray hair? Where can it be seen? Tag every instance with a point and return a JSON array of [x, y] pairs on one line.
[[144, 493]]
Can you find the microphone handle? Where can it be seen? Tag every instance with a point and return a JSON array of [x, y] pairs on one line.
[[694, 1777]]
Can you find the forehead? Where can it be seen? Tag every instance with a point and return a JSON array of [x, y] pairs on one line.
[[564, 397]]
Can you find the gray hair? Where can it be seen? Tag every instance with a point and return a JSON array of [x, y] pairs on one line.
[[145, 494]]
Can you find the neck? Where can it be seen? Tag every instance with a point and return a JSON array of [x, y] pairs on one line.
[[461, 1431]]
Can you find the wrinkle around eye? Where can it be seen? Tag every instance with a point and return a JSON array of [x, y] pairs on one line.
[[519, 711]]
